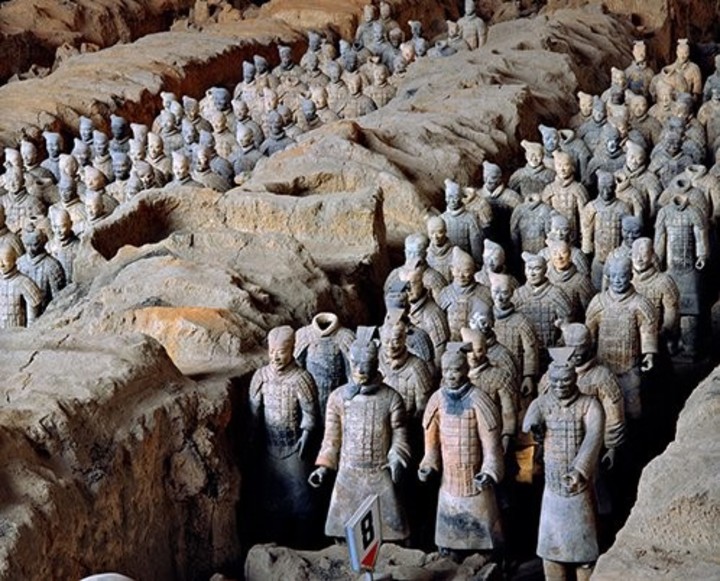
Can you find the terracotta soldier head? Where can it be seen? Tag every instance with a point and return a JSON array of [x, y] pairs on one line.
[[437, 231], [535, 269], [463, 268], [364, 357], [533, 153], [454, 366], [281, 342], [585, 103]]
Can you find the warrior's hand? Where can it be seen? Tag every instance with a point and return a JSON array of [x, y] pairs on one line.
[[425, 474], [648, 361], [506, 442], [572, 480], [395, 467], [608, 459], [700, 263], [527, 387], [302, 444], [318, 476], [483, 481]]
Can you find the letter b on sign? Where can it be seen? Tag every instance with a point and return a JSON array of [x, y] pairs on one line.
[[364, 535]]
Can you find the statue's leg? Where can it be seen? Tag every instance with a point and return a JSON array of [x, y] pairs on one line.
[[554, 571]]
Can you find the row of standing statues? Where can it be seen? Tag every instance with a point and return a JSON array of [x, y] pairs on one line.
[[518, 338]]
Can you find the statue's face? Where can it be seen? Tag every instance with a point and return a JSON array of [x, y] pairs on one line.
[[618, 79], [414, 249], [245, 138], [7, 260], [53, 148], [188, 134], [642, 256], [534, 157], [203, 159], [393, 342], [599, 114], [415, 288], [13, 181], [437, 234], [118, 130], [121, 168], [585, 103], [562, 385], [95, 207], [683, 53], [368, 13], [478, 355], [94, 181], [492, 179], [363, 367], [606, 190], [86, 132], [385, 10], [620, 277], [454, 373], [535, 272], [147, 178], [67, 193], [635, 159], [155, 148], [28, 154], [665, 98], [463, 274], [561, 258], [275, 124], [180, 168], [453, 199], [192, 111], [672, 145], [550, 141], [219, 123], [493, 259], [638, 107], [501, 295], [631, 232], [564, 168], [353, 85], [639, 53], [137, 150], [314, 42], [100, 144], [281, 355], [380, 75], [62, 227]]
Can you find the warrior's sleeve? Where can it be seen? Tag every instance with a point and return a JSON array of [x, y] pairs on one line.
[[301, 346], [32, 294], [670, 299], [564, 305], [308, 399], [57, 279], [701, 236], [593, 315], [477, 239], [587, 228], [531, 356], [423, 388], [648, 323], [431, 425], [534, 419], [586, 459], [329, 455], [613, 405], [400, 445], [508, 410], [660, 237], [488, 426]]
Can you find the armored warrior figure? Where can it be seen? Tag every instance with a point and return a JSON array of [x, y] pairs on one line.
[[570, 426], [463, 229], [462, 440], [641, 178], [263, 74], [642, 122], [284, 412], [439, 251], [204, 175], [564, 275], [534, 175], [70, 202], [659, 288], [627, 193], [601, 221], [502, 199], [171, 138], [565, 195], [585, 104], [709, 117], [287, 66], [497, 383], [591, 130], [53, 146], [364, 31], [86, 128], [246, 156], [424, 312], [463, 295], [21, 208], [276, 140], [314, 46], [681, 185], [530, 224], [219, 165], [101, 159], [681, 244], [542, 302], [44, 270], [9, 238], [242, 117], [224, 140], [157, 159], [668, 158], [404, 372], [639, 75], [20, 298], [380, 91], [322, 348], [191, 107], [553, 140], [624, 327], [610, 157], [120, 134], [689, 70], [337, 91], [483, 321], [319, 96], [357, 104], [472, 28], [249, 91], [65, 244], [366, 443], [181, 171], [122, 166], [416, 246], [313, 75]]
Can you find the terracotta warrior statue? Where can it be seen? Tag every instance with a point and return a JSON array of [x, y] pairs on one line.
[[368, 411], [530, 224], [659, 288], [534, 175], [542, 302], [570, 426], [284, 412], [472, 28], [565, 275], [462, 442], [21, 208], [322, 348], [638, 73], [566, 195], [688, 69], [483, 321], [494, 262], [439, 251], [624, 326], [463, 295], [681, 244], [21, 300], [463, 229], [65, 244], [585, 103], [494, 381], [44, 270], [502, 200]]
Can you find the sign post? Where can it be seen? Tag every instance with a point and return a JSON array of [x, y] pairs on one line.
[[364, 536]]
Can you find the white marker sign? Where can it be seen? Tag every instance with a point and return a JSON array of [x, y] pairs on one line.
[[364, 535]]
